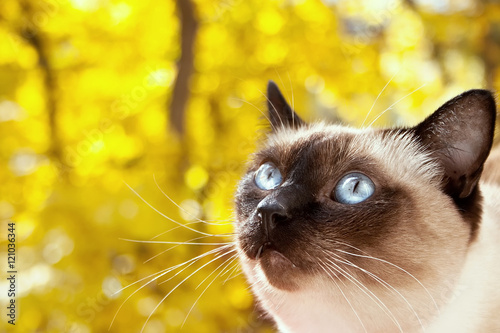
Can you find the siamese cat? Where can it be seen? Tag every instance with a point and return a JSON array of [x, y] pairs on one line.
[[375, 230]]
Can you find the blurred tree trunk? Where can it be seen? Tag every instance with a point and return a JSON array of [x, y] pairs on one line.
[[32, 35], [180, 94]]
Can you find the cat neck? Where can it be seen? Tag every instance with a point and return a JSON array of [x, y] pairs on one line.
[[474, 306]]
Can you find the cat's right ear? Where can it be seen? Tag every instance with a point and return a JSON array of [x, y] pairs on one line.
[[459, 135], [281, 115]]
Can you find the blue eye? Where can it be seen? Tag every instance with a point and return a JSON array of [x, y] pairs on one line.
[[354, 188], [268, 176]]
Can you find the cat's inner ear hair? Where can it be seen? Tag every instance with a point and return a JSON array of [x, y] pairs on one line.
[[460, 135], [281, 115]]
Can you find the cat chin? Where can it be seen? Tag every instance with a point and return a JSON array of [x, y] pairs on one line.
[[279, 271], [274, 271]]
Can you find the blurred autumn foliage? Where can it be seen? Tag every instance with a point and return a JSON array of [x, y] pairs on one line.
[[166, 97]]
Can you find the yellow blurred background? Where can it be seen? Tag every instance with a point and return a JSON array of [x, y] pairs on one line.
[[108, 108]]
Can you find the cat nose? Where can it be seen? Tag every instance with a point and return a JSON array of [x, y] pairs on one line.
[[271, 213]]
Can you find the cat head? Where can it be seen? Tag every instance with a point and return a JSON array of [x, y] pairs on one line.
[[319, 200]]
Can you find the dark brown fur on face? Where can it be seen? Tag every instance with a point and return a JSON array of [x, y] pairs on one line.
[[316, 223], [415, 228]]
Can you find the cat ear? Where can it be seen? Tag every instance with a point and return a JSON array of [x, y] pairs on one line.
[[280, 113], [459, 135]]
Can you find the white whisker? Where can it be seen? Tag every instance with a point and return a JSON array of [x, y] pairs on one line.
[[190, 223], [378, 96], [179, 284], [275, 110], [288, 97], [393, 104], [161, 274], [177, 243], [388, 286], [173, 247], [329, 273], [165, 216], [397, 267], [182, 209], [293, 97], [262, 112], [231, 260], [368, 293], [333, 256], [230, 275]]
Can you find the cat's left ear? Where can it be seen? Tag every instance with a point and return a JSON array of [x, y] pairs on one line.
[[459, 135], [281, 115]]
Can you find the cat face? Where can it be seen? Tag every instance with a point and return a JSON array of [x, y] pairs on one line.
[[323, 205], [303, 224]]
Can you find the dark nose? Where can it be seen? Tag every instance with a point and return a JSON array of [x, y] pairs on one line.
[[272, 212]]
